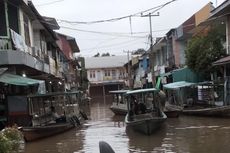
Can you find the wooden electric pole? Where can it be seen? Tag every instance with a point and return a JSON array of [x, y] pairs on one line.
[[129, 69]]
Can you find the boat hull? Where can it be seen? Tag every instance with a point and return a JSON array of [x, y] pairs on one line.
[[172, 114], [145, 123], [34, 133], [172, 111], [220, 111], [119, 109]]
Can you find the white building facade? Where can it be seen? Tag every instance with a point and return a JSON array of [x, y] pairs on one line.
[[105, 74]]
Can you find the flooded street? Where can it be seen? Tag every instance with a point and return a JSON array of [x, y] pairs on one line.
[[180, 135]]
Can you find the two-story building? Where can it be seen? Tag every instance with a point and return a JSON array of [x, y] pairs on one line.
[[105, 74], [168, 52], [31, 60]]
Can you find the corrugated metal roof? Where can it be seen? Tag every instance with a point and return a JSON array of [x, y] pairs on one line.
[[222, 9], [222, 61], [105, 62]]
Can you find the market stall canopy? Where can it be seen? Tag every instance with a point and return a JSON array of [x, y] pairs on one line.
[[177, 85], [17, 80]]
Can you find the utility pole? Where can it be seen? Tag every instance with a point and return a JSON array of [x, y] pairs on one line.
[[150, 26], [129, 68], [151, 32]]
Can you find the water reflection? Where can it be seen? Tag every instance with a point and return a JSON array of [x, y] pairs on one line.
[[144, 143], [178, 135], [197, 134]]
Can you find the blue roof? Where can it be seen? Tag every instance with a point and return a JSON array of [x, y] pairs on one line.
[[177, 85]]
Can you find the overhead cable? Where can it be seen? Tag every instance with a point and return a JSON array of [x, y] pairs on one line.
[[49, 3], [154, 9]]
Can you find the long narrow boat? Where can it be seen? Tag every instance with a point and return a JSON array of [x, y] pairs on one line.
[[119, 105], [174, 106], [43, 123], [38, 132], [145, 120], [217, 111]]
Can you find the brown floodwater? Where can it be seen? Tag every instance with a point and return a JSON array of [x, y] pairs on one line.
[[185, 134]]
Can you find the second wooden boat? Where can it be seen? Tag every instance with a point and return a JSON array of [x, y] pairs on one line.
[[119, 105], [172, 111], [34, 133]]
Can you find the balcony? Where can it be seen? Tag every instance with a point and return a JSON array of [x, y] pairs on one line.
[[11, 56], [113, 78]]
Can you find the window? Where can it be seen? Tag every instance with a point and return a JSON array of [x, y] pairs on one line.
[[92, 74], [113, 73], [13, 17], [3, 30], [26, 29], [107, 72]]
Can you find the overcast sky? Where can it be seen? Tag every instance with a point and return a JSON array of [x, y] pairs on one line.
[[115, 37]]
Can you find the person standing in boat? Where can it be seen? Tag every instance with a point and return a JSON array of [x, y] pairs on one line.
[[160, 102], [135, 105]]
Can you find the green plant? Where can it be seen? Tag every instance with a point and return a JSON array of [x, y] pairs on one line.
[[10, 139], [5, 146], [203, 50]]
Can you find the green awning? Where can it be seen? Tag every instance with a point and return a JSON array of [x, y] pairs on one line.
[[17, 80]]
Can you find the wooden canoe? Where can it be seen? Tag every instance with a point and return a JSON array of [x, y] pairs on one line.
[[38, 132]]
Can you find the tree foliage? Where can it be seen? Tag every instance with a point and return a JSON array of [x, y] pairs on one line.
[[203, 50], [102, 55], [139, 51], [105, 54], [97, 55]]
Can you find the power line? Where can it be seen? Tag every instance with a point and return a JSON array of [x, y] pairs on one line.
[[153, 9], [49, 3], [102, 33]]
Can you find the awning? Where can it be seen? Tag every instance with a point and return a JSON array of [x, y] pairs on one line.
[[177, 85], [17, 80], [141, 91], [222, 61]]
